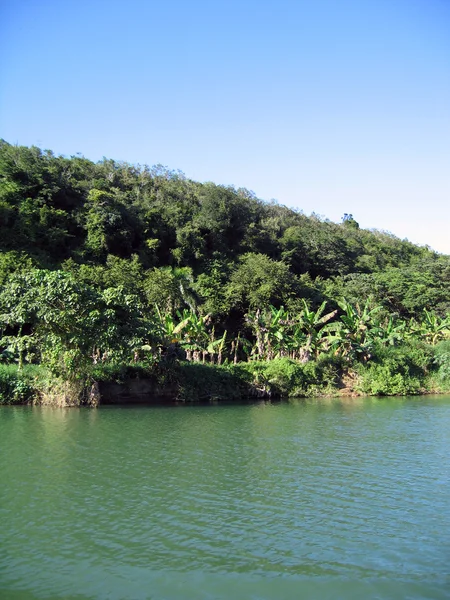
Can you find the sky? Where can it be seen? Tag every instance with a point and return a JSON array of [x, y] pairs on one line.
[[327, 106]]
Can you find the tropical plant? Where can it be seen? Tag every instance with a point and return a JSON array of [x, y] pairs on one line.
[[271, 329], [311, 323], [354, 334], [392, 332], [431, 328]]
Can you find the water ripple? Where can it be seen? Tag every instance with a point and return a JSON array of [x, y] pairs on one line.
[[312, 499]]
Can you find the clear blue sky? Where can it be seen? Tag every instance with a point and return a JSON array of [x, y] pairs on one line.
[[329, 106]]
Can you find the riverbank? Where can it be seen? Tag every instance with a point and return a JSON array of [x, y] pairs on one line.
[[185, 381]]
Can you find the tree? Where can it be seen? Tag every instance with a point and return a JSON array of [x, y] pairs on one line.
[[259, 281], [170, 288], [349, 221], [68, 323]]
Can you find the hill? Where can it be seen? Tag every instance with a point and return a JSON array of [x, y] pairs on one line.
[[111, 262]]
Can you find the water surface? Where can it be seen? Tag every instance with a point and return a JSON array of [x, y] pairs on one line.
[[309, 499]]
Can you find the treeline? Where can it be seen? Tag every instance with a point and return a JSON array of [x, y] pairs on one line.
[[110, 263]]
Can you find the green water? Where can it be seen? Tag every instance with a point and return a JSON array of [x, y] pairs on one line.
[[317, 499]]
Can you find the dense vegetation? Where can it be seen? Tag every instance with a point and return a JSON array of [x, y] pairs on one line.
[[110, 268]]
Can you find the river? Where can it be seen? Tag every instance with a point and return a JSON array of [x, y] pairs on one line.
[[323, 499]]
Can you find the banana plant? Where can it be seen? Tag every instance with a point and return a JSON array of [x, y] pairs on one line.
[[188, 331], [170, 332], [297, 341], [217, 346], [431, 328], [279, 332], [272, 332], [194, 335], [392, 332], [311, 324], [355, 332], [240, 346]]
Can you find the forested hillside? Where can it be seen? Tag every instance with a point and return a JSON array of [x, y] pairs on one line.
[[110, 262]]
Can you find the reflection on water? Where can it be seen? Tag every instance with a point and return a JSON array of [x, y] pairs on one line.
[[343, 498]]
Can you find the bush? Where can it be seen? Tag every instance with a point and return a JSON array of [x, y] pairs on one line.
[[442, 360], [287, 377], [278, 377], [397, 371], [16, 387], [118, 373], [382, 380], [196, 381], [323, 376]]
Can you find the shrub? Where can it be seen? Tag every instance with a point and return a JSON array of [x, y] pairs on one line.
[[196, 381], [397, 371], [287, 377], [442, 360], [16, 387], [118, 372], [382, 380], [280, 377]]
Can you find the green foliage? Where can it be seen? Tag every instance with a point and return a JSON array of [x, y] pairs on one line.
[[13, 262], [110, 225], [259, 281], [405, 289], [119, 372], [198, 382], [278, 377], [170, 288], [110, 264], [211, 287], [319, 248], [16, 387], [324, 375], [280, 334], [385, 380], [442, 359], [353, 335], [67, 323], [397, 370], [431, 328], [284, 377]]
